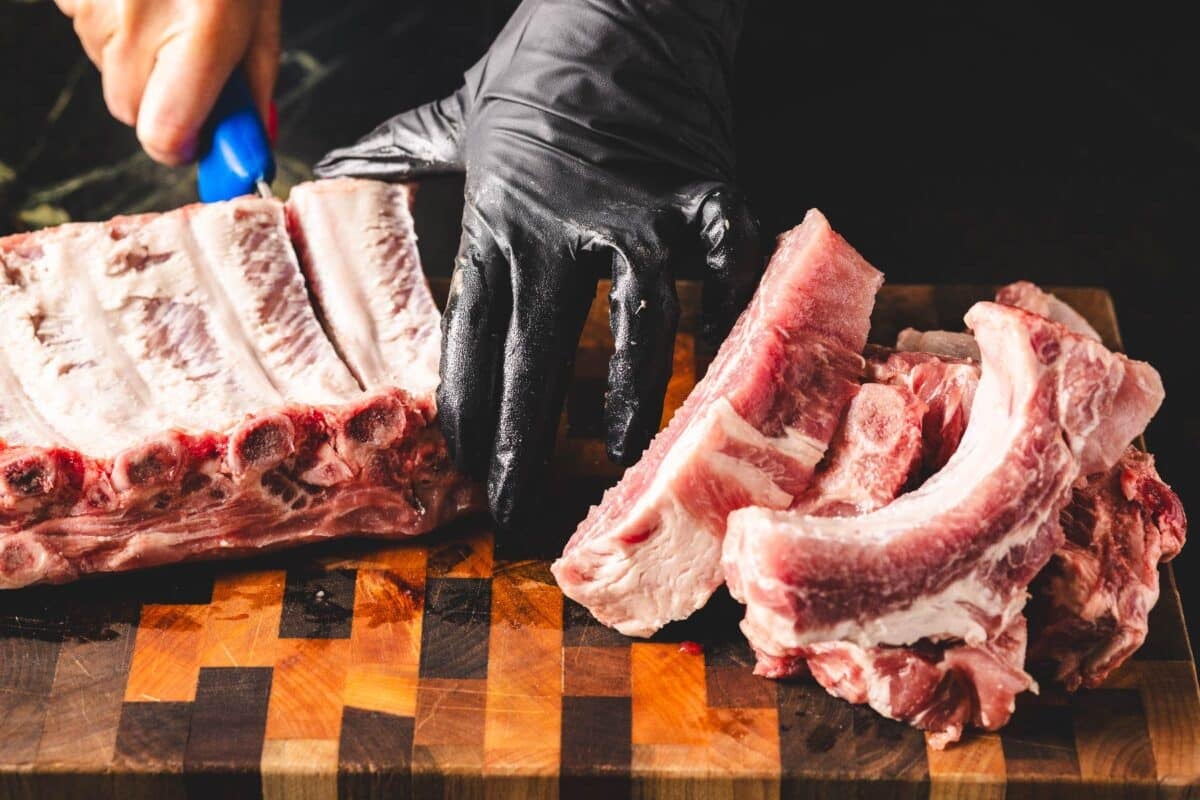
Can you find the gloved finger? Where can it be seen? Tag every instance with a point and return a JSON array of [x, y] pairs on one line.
[[261, 63], [424, 141], [734, 257], [643, 313], [190, 69], [551, 297], [473, 328]]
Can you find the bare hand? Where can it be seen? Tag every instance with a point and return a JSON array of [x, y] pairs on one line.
[[163, 62]]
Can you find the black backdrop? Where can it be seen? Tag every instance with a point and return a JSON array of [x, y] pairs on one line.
[[972, 146]]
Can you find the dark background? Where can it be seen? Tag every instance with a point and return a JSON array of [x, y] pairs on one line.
[[978, 146]]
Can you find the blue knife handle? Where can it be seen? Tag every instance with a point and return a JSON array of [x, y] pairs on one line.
[[235, 152]]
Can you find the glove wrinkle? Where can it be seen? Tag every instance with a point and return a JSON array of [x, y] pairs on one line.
[[550, 305], [733, 254], [473, 327], [424, 141], [643, 315]]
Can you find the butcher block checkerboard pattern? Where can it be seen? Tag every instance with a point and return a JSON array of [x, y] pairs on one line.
[[453, 667]]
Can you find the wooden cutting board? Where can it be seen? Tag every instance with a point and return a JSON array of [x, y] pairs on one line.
[[453, 667]]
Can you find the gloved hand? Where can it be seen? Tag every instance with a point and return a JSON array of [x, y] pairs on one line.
[[596, 136], [163, 62]]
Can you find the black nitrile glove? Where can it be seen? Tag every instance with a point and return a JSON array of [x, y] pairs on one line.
[[596, 136]]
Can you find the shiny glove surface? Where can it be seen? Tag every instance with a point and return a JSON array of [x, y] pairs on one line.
[[596, 137]]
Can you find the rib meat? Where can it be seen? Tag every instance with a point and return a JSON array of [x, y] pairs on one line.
[[951, 560], [359, 253], [940, 688], [946, 386], [170, 393], [1090, 607], [875, 452], [751, 433], [1031, 297], [1092, 602]]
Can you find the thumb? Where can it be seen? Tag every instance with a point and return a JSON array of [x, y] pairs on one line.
[[424, 141]]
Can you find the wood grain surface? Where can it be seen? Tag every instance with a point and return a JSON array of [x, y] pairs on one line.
[[452, 666]]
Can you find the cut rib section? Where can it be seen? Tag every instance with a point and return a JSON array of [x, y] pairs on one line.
[[940, 687], [947, 388], [875, 453], [169, 393], [750, 433], [952, 559]]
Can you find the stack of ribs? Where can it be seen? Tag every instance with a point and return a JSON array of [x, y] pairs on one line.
[[218, 380], [886, 514]]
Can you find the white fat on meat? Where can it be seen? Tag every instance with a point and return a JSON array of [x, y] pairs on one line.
[[680, 548], [60, 354], [359, 254], [189, 319], [169, 314], [246, 247]]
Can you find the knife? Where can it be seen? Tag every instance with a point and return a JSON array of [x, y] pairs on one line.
[[235, 153]]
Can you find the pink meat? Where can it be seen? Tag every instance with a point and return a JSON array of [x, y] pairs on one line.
[[874, 453], [1032, 298], [751, 433], [376, 466], [938, 688], [168, 392], [952, 559], [1092, 602], [947, 388]]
